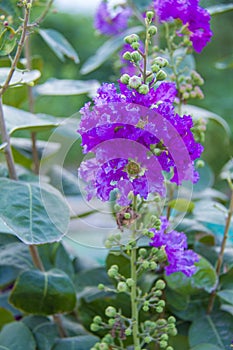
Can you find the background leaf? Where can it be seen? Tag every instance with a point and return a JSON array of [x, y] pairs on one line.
[[16, 336], [221, 8], [82, 342], [5, 317], [59, 44], [24, 205], [19, 77], [43, 293]]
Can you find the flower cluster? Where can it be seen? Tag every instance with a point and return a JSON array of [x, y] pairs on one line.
[[191, 14], [111, 21], [135, 138], [180, 259]]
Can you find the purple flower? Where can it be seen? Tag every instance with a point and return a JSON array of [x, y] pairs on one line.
[[180, 259], [135, 138], [190, 13], [111, 21]]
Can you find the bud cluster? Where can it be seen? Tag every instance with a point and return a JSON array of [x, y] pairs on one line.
[[190, 86]]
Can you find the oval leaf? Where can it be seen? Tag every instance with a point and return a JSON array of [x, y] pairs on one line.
[[17, 119], [43, 293], [15, 336], [106, 50], [58, 44], [5, 317], [36, 215], [19, 77], [205, 346], [216, 329], [221, 8], [226, 295], [7, 41], [82, 342]]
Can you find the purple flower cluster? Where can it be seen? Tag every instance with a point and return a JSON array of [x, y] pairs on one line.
[[190, 13], [111, 21], [135, 138], [180, 259]]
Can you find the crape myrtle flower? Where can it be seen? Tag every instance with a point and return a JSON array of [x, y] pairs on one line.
[[111, 21], [191, 14], [180, 259], [133, 139]]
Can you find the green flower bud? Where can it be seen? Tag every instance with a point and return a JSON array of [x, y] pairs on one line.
[[150, 77], [128, 331], [148, 339], [101, 286], [143, 89], [172, 332], [162, 62], [127, 216], [110, 311], [158, 293], [135, 82], [163, 344], [108, 244], [164, 337], [200, 163], [145, 308], [161, 255], [142, 252], [161, 75], [113, 271], [127, 56], [94, 327], [125, 79], [153, 265], [150, 15], [155, 68], [160, 284], [130, 282], [97, 319], [145, 264], [135, 45], [186, 95], [171, 319], [161, 322], [131, 38], [122, 287], [152, 30], [170, 348], [108, 339], [135, 56], [161, 303], [159, 309], [111, 322], [103, 346]]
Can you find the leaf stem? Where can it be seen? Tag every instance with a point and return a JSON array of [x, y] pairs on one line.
[[44, 14], [133, 294], [221, 254]]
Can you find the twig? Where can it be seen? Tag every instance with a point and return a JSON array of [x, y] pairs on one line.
[[44, 14]]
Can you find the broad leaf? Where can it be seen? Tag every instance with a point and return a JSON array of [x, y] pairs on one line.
[[181, 204], [221, 8], [17, 119], [205, 346], [216, 329], [58, 44], [226, 295], [10, 7], [36, 215], [142, 4], [205, 278], [16, 255], [7, 41], [19, 77], [198, 112], [5, 317], [82, 342], [16, 335], [64, 181], [91, 278], [43, 293], [67, 87], [106, 50]]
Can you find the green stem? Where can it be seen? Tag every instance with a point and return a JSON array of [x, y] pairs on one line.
[[221, 254], [133, 294]]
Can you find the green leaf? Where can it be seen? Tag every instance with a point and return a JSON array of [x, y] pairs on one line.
[[106, 50], [10, 7], [226, 280], [15, 336], [19, 77], [5, 317], [205, 278], [222, 8], [226, 295], [8, 275], [225, 63], [216, 329], [64, 181], [91, 278], [205, 346], [198, 112], [43, 293], [181, 204], [58, 44], [67, 87], [16, 255], [17, 119], [7, 41], [142, 4], [82, 342], [36, 215]]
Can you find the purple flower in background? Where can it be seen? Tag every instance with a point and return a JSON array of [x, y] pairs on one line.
[[134, 138], [111, 21], [180, 259], [190, 13]]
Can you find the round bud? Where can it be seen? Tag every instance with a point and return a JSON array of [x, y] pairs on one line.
[[97, 319], [161, 255], [94, 327], [155, 68], [150, 15], [31, 83], [103, 346], [128, 331], [2, 17], [163, 344], [135, 56], [152, 30], [130, 282], [135, 45], [111, 322], [153, 265], [142, 252], [29, 5], [159, 309], [125, 79], [145, 264], [135, 82], [101, 286], [200, 163], [162, 62], [170, 348], [122, 287], [127, 216], [108, 244], [148, 339], [110, 311], [131, 38], [161, 75], [171, 319], [172, 332], [127, 56], [143, 89], [5, 23], [160, 284], [145, 308]]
